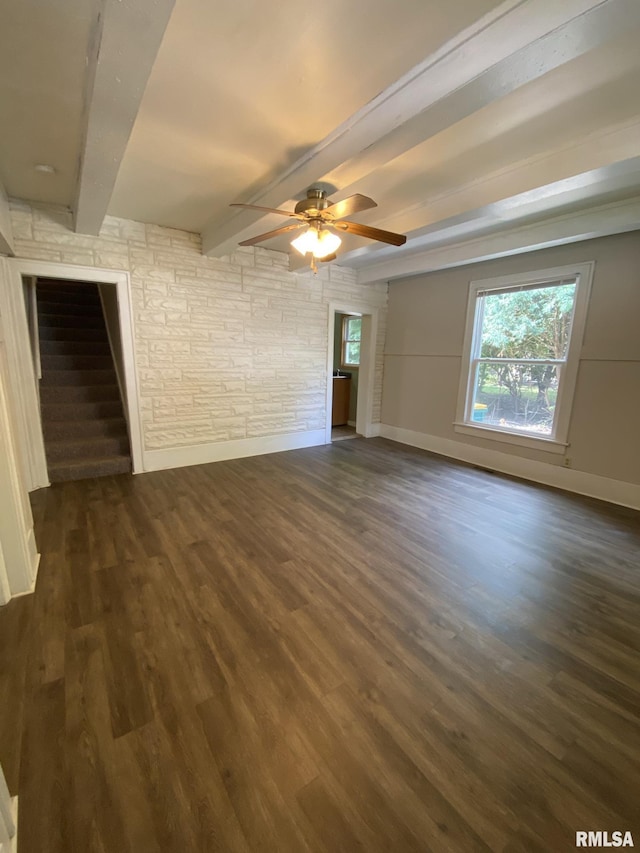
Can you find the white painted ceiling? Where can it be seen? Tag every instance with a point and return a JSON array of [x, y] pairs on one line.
[[43, 52], [255, 101], [240, 90]]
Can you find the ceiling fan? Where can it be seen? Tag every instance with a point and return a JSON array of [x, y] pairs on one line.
[[322, 219]]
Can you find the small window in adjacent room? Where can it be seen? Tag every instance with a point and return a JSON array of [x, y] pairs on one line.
[[521, 353], [351, 337]]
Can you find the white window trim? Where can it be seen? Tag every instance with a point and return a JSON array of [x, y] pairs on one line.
[[345, 326], [557, 442]]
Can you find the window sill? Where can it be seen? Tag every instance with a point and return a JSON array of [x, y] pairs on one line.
[[548, 445]]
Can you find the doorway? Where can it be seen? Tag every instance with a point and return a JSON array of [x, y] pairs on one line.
[[347, 341], [350, 371], [78, 360], [114, 296]]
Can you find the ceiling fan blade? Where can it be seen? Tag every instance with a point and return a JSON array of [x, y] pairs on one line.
[[267, 210], [328, 258], [372, 233], [269, 234], [348, 206]]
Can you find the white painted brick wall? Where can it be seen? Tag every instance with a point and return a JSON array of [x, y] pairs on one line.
[[226, 348]]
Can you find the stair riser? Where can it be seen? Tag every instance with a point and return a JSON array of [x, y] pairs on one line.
[[68, 412], [58, 451], [54, 285], [67, 429], [69, 321], [85, 309], [103, 468], [72, 334], [67, 297], [95, 348], [77, 377], [75, 361], [79, 393]]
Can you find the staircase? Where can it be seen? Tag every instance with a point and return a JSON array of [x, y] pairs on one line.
[[85, 433]]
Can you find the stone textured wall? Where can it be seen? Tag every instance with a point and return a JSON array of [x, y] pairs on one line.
[[226, 348]]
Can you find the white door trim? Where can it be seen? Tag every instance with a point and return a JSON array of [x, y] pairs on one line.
[[19, 556], [120, 278], [22, 391], [366, 375]]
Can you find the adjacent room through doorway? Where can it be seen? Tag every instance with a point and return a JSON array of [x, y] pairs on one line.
[[346, 367]]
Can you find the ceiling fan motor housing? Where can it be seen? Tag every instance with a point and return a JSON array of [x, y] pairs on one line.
[[315, 201]]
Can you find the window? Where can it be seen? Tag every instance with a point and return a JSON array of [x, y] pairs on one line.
[[522, 346], [351, 336]]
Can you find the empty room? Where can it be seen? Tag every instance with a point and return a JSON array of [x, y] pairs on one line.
[[319, 446]]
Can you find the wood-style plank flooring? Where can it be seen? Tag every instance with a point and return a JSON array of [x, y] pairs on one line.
[[355, 647]]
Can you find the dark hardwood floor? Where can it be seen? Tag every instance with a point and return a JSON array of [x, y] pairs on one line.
[[352, 647]]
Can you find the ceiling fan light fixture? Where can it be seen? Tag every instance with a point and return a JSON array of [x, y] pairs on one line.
[[315, 242], [328, 243], [306, 242]]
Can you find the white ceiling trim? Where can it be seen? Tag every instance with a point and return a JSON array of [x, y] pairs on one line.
[[599, 221], [125, 47], [481, 64], [6, 231]]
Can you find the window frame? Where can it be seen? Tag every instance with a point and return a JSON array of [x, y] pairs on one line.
[[557, 441], [345, 340]]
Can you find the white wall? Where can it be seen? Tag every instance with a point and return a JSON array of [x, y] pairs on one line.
[[423, 359], [228, 351]]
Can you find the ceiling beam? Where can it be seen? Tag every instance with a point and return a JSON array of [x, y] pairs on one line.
[[593, 28], [593, 166], [600, 221], [125, 45], [6, 231], [589, 189], [514, 44]]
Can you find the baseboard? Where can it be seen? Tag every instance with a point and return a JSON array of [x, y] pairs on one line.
[[14, 814], [591, 485], [35, 564], [34, 556], [374, 430], [32, 588], [201, 454]]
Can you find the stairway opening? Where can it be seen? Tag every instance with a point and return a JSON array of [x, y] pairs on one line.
[[83, 417]]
